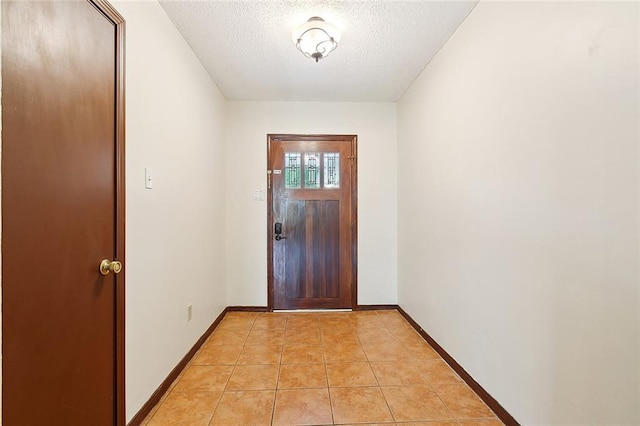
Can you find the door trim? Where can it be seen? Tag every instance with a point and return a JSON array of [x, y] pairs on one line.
[[118, 21], [353, 139], [108, 12]]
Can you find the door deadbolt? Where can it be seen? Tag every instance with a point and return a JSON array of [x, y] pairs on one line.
[[277, 229]]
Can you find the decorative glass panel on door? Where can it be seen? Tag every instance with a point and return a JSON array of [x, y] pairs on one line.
[[332, 170], [292, 170], [312, 170]]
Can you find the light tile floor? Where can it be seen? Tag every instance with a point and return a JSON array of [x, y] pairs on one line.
[[365, 367]]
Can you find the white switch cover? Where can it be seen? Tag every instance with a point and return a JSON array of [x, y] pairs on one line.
[[258, 195], [148, 181]]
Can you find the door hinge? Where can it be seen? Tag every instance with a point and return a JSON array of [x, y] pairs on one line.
[[351, 157], [268, 179]]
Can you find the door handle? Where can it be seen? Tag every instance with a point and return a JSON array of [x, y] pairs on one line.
[[278, 231], [107, 266]]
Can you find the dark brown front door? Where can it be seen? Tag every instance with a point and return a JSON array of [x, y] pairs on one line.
[[312, 221], [62, 213]]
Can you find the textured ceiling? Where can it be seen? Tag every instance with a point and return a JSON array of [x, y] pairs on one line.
[[247, 49]]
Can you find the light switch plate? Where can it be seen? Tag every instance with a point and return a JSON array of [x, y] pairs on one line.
[[148, 180], [258, 195]]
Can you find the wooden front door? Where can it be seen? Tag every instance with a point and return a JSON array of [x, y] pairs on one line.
[[62, 213], [312, 221]]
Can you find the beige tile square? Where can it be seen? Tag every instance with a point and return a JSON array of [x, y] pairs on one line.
[[396, 322], [350, 374], [265, 337], [420, 351], [253, 377], [436, 371], [384, 351], [333, 316], [302, 336], [397, 373], [462, 401], [302, 407], [359, 405], [217, 355], [403, 332], [302, 354], [186, 408], [239, 323], [390, 315], [335, 323], [302, 376], [260, 354], [227, 338], [373, 336], [342, 336], [270, 321], [367, 321], [409, 337], [201, 378], [413, 403], [244, 408], [302, 320], [343, 353], [240, 315]]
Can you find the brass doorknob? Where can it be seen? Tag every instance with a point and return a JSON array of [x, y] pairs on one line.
[[107, 266]]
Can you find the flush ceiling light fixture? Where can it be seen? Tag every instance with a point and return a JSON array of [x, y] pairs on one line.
[[316, 38]]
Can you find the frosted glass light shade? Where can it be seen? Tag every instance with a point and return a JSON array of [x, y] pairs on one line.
[[316, 38]]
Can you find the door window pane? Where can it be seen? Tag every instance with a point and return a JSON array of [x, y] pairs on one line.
[[292, 170], [332, 170], [312, 170]]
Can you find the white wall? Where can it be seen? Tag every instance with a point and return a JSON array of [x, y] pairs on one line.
[[518, 207], [175, 246], [248, 124]]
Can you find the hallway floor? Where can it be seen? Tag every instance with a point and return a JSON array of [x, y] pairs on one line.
[[365, 367]]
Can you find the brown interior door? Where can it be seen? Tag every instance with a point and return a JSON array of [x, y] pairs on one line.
[[312, 237], [62, 213]]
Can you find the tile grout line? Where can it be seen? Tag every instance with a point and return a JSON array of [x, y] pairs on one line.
[[324, 364], [275, 392], [445, 404], [326, 377], [376, 376], [225, 385], [233, 369], [379, 387], [281, 362]]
